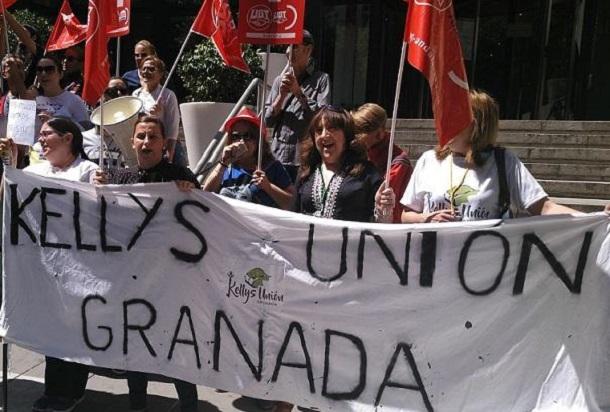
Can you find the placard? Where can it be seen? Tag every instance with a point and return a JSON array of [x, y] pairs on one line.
[[21, 125]]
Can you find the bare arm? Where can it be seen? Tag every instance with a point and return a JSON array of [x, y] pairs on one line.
[[411, 216], [22, 34], [283, 197], [545, 206], [214, 178]]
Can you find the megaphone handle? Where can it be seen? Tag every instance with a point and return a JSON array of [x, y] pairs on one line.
[[101, 149]]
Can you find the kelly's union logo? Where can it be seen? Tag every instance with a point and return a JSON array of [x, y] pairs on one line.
[[252, 287]]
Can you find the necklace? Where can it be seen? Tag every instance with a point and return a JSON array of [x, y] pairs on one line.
[[324, 188], [454, 190]]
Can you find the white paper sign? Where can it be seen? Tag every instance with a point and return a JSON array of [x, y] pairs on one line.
[[21, 123], [482, 316]]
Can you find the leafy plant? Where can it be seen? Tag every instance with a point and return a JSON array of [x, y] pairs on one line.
[[206, 78], [40, 23]]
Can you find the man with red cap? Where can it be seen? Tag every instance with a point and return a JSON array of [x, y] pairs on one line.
[[236, 175]]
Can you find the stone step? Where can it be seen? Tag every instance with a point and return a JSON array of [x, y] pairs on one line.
[[517, 138], [583, 205], [576, 189], [560, 126], [539, 154], [567, 171]]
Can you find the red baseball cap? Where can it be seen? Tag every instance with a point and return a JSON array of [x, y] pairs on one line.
[[245, 114]]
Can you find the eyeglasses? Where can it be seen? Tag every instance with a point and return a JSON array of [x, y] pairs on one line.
[[45, 69], [148, 69], [241, 136], [47, 133]]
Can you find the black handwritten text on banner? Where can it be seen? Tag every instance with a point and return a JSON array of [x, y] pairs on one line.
[[339, 315]]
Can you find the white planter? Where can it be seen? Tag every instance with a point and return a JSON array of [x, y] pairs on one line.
[[201, 121]]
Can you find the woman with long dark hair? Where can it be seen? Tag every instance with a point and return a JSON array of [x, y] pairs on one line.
[[335, 180]]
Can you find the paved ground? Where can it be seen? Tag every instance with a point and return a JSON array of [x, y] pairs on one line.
[[26, 372]]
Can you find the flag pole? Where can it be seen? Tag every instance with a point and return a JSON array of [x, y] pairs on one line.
[[118, 57], [8, 46], [171, 72], [259, 163], [101, 159], [401, 68]]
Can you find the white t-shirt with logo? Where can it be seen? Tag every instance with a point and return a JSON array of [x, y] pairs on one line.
[[79, 171], [477, 197], [65, 104]]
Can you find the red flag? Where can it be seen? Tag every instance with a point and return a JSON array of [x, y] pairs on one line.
[[215, 21], [434, 49], [119, 13], [7, 3], [67, 31], [96, 68]]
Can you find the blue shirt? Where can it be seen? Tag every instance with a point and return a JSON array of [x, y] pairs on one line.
[[236, 184]]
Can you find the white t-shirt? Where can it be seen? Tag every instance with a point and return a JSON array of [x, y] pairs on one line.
[[65, 104], [477, 198], [79, 171], [170, 117]]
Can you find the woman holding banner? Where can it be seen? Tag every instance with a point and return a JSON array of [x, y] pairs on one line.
[[236, 176], [62, 147], [335, 180], [473, 179]]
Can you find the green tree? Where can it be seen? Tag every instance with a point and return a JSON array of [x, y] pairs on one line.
[[40, 23], [206, 78]]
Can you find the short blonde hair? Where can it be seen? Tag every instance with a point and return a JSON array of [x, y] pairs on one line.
[[150, 48], [368, 118], [486, 119]]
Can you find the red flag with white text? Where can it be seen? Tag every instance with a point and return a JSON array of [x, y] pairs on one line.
[[434, 50], [215, 21], [97, 67], [67, 30], [119, 14]]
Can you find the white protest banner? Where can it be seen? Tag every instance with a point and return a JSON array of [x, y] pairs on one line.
[[339, 315], [21, 122]]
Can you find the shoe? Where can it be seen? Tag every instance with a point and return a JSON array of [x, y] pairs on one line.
[[55, 404]]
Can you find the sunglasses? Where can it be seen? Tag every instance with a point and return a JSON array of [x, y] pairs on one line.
[[45, 69], [241, 136]]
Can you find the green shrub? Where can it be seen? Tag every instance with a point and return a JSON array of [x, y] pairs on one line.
[[40, 23], [206, 78]]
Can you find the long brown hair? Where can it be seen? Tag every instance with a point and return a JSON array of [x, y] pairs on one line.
[[354, 157], [485, 129]]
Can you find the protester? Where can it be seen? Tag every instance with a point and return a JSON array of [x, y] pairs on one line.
[[236, 174], [62, 146], [464, 181], [91, 138], [53, 100], [335, 179], [152, 71], [27, 49], [14, 74], [72, 65], [142, 50], [370, 120], [295, 97], [149, 143]]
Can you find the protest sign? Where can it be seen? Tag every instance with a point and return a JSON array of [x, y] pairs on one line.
[[271, 21], [21, 121], [340, 315]]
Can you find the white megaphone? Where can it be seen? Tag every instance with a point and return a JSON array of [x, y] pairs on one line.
[[120, 116]]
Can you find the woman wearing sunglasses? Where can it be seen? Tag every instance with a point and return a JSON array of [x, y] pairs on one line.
[[53, 100], [236, 173], [335, 179], [152, 72]]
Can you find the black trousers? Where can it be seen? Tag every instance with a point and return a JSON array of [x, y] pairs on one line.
[[64, 379], [138, 382]]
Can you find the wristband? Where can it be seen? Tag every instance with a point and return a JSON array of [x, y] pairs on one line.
[[223, 164]]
